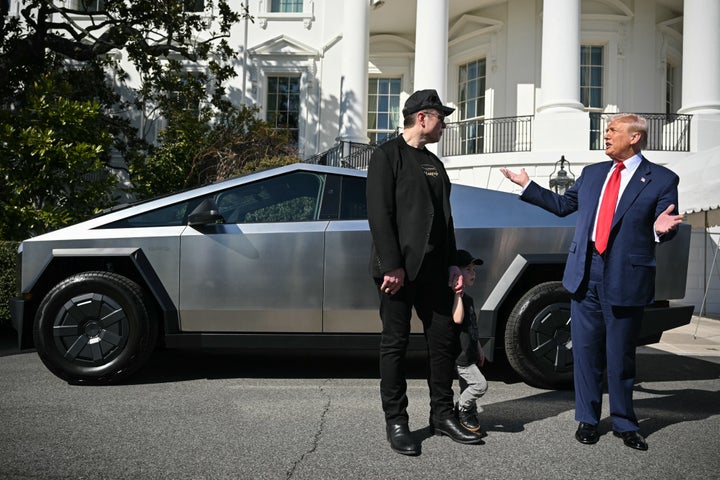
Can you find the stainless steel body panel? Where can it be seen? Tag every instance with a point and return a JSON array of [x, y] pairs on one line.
[[252, 278], [312, 276]]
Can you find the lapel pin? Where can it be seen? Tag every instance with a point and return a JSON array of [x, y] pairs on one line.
[[642, 179]]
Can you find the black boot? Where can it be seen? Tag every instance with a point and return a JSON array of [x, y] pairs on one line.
[[401, 441], [468, 418], [452, 428]]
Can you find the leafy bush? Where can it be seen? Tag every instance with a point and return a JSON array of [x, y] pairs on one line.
[[8, 255]]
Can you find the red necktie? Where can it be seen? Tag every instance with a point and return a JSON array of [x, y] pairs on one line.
[[607, 209]]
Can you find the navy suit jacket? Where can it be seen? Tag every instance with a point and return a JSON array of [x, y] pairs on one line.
[[630, 256]]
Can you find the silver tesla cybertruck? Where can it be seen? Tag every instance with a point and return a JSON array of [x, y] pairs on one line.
[[279, 259]]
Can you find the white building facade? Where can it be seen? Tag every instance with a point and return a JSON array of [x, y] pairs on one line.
[[531, 80]]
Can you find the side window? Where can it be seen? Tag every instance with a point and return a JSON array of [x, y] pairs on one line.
[[294, 197], [344, 198], [171, 216], [353, 204]]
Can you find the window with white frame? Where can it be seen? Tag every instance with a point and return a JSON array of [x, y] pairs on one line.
[[283, 103], [591, 89], [383, 108], [286, 6], [591, 76], [471, 106], [194, 5], [88, 5]]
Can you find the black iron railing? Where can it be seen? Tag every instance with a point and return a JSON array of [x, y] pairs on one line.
[[666, 132], [348, 154], [490, 135]]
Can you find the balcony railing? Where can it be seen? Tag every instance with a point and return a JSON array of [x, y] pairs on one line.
[[666, 132], [490, 135], [348, 154], [345, 154]]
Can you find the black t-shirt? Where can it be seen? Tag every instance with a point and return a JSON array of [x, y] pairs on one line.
[[469, 335], [438, 233]]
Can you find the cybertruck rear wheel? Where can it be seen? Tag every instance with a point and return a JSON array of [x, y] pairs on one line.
[[93, 327], [537, 337]]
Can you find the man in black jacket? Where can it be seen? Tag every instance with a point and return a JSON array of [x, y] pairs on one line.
[[413, 264]]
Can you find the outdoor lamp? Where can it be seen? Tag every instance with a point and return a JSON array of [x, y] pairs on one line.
[[560, 181]]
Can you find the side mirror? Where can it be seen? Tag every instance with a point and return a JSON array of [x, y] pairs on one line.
[[206, 213]]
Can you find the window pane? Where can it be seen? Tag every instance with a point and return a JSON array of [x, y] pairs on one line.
[[383, 107], [353, 204], [289, 198], [283, 103], [472, 89], [286, 6], [591, 76]]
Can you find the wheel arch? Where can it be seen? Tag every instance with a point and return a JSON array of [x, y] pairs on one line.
[[129, 262], [524, 272]]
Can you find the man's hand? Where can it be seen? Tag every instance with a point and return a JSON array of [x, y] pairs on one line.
[[455, 280], [393, 281], [521, 178], [666, 222]]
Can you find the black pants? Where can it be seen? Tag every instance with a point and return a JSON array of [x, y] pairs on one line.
[[432, 299]]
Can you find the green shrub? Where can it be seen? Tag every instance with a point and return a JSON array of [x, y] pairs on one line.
[[8, 256]]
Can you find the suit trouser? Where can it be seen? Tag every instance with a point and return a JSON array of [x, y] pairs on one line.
[[431, 299], [602, 335]]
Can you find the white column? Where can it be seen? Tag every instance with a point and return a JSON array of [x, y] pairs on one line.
[[356, 44], [431, 43], [431, 57], [701, 57], [560, 75], [561, 125]]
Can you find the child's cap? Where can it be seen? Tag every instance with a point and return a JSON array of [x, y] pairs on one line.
[[464, 258]]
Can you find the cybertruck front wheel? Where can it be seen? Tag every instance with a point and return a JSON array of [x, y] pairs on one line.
[[94, 328]]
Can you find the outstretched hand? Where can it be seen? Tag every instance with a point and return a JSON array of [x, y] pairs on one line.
[[666, 222], [521, 178]]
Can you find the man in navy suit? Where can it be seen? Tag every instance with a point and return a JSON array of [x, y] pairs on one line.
[[611, 276]]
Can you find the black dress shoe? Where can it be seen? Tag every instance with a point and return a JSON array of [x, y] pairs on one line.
[[587, 433], [633, 440], [452, 428], [401, 441]]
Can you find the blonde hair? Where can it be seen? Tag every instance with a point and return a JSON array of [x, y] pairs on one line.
[[635, 123]]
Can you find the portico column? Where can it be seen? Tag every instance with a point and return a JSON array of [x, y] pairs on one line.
[[431, 57], [356, 44], [560, 74], [701, 72], [559, 97], [431, 43], [701, 57]]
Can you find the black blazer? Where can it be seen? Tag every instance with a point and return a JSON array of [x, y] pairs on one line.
[[400, 210]]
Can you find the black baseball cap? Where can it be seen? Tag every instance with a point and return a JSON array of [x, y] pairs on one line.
[[464, 258], [425, 99]]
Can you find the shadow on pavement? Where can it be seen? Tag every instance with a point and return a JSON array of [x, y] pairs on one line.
[[178, 365]]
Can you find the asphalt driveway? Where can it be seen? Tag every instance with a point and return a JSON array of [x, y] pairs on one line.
[[198, 415]]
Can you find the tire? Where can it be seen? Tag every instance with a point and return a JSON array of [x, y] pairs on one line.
[[537, 337], [94, 328]]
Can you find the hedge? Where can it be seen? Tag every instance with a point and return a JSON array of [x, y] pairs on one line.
[[8, 282]]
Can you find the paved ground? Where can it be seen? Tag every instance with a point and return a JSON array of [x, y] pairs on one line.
[[192, 415], [701, 337]]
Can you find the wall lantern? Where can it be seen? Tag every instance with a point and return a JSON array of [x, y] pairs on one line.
[[560, 181]]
